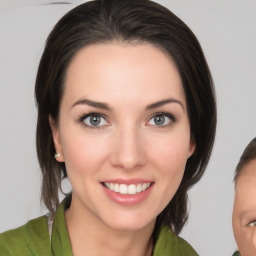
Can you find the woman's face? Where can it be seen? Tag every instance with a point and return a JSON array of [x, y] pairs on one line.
[[124, 133], [244, 212]]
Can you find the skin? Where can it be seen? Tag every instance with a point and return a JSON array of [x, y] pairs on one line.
[[244, 212], [127, 145]]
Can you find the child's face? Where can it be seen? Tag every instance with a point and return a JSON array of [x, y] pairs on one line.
[[244, 212]]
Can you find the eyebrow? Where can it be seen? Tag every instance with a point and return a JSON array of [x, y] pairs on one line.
[[163, 102], [105, 106], [92, 103]]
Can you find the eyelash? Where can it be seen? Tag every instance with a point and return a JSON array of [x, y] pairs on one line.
[[168, 115]]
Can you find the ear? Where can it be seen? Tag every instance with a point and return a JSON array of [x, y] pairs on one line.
[[192, 147], [56, 139]]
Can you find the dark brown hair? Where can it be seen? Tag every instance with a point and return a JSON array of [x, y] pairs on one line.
[[248, 155], [131, 21]]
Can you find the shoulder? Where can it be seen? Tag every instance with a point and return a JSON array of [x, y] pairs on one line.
[[186, 248], [168, 244], [30, 239]]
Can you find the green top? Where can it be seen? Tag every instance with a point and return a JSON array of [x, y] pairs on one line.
[[33, 239]]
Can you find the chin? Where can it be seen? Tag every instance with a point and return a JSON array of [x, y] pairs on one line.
[[130, 223]]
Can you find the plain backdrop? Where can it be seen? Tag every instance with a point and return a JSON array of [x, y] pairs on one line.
[[226, 30]]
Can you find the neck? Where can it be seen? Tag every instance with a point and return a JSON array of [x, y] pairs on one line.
[[89, 236]]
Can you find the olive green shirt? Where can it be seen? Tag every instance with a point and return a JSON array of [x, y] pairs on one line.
[[33, 239]]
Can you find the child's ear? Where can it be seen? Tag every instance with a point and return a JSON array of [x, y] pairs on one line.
[[56, 140]]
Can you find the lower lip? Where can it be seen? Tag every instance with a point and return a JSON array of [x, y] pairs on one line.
[[128, 200]]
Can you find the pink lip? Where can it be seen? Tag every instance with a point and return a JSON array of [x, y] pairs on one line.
[[128, 200]]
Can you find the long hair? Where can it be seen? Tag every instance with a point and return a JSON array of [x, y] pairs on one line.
[[132, 21]]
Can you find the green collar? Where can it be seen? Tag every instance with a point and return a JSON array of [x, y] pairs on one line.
[[60, 240]]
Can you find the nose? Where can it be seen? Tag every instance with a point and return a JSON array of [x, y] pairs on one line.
[[128, 151]]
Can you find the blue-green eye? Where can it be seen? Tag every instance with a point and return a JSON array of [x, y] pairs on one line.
[[161, 119], [94, 120]]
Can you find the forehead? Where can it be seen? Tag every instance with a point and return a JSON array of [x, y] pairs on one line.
[[245, 193], [127, 69], [247, 176]]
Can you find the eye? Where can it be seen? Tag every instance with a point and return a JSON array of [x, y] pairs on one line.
[[94, 120], [252, 223], [162, 119]]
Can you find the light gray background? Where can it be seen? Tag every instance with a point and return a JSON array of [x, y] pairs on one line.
[[226, 30]]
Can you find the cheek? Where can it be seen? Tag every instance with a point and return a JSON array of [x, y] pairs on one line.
[[170, 164], [237, 232], [170, 157], [244, 238], [83, 154], [254, 239], [171, 153]]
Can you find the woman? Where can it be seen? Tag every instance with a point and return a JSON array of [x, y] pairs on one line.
[[126, 111]]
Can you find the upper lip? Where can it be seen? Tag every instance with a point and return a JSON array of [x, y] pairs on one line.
[[127, 181]]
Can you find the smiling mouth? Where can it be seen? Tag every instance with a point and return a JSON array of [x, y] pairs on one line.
[[124, 189]]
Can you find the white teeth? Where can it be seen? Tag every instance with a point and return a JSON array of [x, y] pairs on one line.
[[139, 188], [132, 189], [123, 189], [116, 188], [127, 189], [144, 186]]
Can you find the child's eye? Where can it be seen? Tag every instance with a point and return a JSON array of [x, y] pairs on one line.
[[94, 120], [252, 223], [161, 119]]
